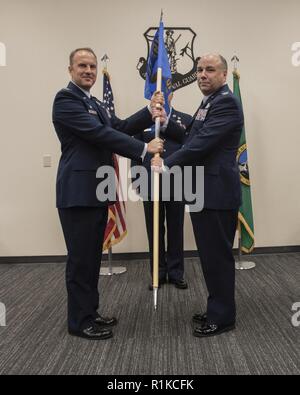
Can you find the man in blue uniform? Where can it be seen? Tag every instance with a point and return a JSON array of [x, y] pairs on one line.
[[89, 135], [212, 142]]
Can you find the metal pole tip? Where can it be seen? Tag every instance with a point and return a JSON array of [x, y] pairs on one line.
[[155, 297]]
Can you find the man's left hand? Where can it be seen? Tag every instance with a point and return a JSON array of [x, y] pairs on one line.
[[157, 100], [159, 113]]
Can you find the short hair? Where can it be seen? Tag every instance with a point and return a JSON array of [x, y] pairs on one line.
[[224, 62], [73, 53], [221, 58]]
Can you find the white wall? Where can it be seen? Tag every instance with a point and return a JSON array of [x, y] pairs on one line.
[[39, 35]]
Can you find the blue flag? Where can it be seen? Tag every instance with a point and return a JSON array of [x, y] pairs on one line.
[[158, 57]]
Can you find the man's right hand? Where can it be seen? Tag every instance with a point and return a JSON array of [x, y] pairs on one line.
[[157, 100], [157, 165], [155, 146]]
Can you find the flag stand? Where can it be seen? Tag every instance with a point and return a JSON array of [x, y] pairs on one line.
[[240, 264], [110, 271]]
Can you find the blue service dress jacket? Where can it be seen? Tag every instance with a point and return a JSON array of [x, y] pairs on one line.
[[89, 135], [212, 141]]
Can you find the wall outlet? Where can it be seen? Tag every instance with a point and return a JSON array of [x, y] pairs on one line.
[[47, 161]]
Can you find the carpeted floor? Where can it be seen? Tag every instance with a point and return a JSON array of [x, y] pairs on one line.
[[35, 340]]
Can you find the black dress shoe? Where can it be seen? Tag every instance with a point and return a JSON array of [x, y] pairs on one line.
[[200, 318], [94, 332], [181, 284], [105, 321], [212, 330], [161, 282]]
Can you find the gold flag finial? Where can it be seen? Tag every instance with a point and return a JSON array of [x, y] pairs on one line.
[[105, 59], [235, 61]]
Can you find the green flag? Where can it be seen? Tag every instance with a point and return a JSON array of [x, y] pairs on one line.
[[245, 212]]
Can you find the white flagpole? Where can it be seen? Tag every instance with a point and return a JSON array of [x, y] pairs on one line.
[[156, 202]]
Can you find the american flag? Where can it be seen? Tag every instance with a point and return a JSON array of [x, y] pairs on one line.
[[116, 226]]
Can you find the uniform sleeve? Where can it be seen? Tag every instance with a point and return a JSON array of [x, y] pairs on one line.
[[175, 132], [225, 117], [71, 114], [135, 123]]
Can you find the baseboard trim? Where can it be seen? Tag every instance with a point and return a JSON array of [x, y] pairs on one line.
[[139, 255]]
